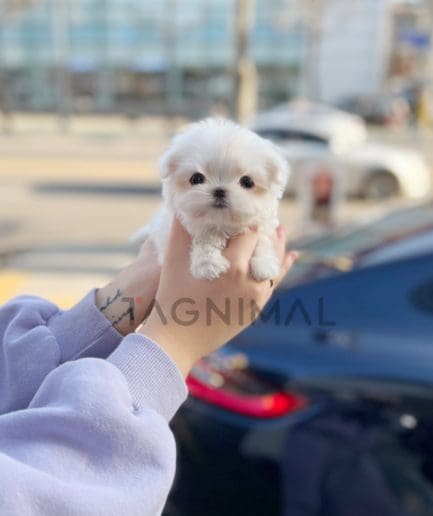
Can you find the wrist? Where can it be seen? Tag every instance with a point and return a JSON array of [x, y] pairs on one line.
[[177, 348], [127, 300]]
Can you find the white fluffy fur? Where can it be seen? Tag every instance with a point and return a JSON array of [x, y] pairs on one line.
[[223, 152]]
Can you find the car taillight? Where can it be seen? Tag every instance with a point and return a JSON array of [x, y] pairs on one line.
[[240, 390]]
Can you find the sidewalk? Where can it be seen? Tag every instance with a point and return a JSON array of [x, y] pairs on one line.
[[95, 148], [87, 125]]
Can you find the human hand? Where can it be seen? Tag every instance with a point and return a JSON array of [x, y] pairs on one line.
[[192, 317]]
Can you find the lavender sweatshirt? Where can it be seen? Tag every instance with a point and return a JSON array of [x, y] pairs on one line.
[[83, 414]]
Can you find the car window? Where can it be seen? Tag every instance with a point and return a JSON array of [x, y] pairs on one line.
[[404, 233], [282, 135], [373, 236], [417, 244]]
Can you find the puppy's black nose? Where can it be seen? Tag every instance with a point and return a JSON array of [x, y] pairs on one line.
[[219, 193]]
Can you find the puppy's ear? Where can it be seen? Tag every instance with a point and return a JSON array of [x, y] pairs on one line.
[[278, 169], [168, 163]]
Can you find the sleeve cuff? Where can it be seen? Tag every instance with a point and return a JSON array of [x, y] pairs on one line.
[[153, 378], [83, 331]]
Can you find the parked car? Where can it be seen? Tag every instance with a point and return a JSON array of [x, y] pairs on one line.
[[325, 405], [309, 132]]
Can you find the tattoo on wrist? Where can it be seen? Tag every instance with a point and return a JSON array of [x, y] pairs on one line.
[[110, 301], [115, 317], [129, 311]]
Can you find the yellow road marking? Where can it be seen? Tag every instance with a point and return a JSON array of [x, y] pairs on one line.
[[65, 302], [11, 282], [60, 289]]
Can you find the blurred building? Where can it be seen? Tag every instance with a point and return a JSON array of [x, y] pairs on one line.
[[135, 56], [176, 56], [354, 48]]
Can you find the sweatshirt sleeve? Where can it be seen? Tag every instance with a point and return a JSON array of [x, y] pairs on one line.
[[36, 337], [94, 440]]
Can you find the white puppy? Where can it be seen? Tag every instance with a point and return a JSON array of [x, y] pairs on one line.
[[220, 179]]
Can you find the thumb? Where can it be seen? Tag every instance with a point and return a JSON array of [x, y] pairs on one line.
[[288, 261]]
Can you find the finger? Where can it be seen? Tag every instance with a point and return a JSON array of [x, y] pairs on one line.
[[179, 243], [287, 263], [240, 248], [147, 248], [280, 242]]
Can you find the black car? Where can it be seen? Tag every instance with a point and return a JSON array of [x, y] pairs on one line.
[[325, 405]]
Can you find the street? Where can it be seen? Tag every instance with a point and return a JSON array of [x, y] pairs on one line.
[[69, 203]]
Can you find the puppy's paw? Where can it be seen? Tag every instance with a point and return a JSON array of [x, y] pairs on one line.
[[209, 267], [264, 267]]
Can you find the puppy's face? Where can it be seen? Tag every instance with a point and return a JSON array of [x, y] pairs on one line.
[[221, 174]]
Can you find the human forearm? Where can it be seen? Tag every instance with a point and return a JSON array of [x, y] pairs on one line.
[[36, 337], [128, 298]]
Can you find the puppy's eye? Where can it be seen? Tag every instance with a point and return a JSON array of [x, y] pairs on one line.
[[246, 182], [197, 178]]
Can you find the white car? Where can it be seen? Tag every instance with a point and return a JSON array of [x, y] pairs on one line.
[[309, 132]]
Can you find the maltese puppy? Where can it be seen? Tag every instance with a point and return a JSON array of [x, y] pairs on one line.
[[220, 180]]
